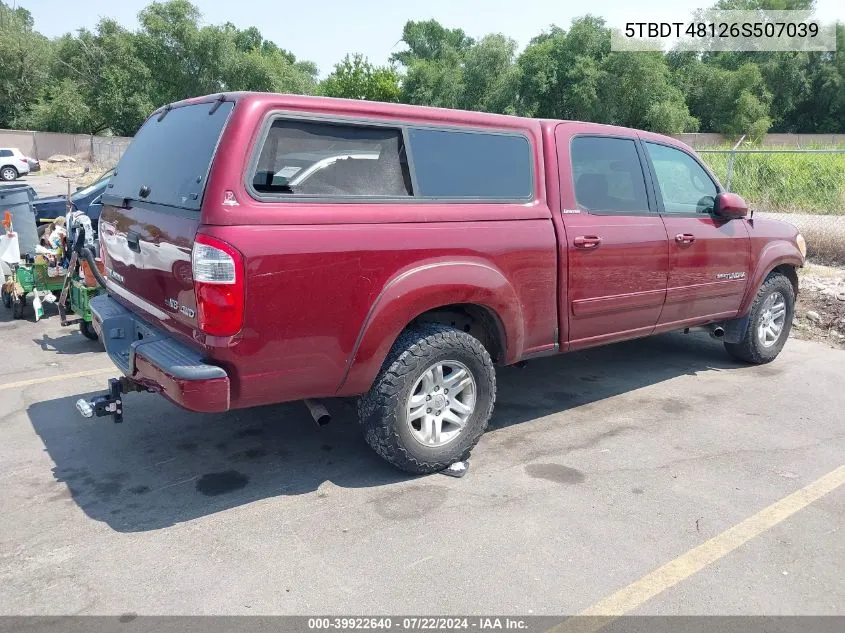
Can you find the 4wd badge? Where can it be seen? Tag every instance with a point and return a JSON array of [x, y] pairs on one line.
[[174, 305]]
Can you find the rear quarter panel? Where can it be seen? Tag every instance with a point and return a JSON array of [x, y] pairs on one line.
[[325, 303], [331, 285]]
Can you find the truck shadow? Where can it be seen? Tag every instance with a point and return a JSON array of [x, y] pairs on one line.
[[163, 465]]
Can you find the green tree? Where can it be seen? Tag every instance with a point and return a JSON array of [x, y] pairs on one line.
[[111, 80], [24, 64], [446, 68], [732, 102], [357, 78], [562, 71], [490, 75], [186, 60], [635, 91], [62, 110]]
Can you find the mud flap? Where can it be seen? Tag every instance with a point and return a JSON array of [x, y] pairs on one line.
[[735, 329]]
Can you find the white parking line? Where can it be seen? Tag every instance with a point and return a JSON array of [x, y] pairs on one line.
[[640, 591]]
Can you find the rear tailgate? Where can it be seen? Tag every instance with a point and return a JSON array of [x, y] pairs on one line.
[[151, 211]]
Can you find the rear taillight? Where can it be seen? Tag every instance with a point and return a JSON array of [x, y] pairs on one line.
[[218, 273]]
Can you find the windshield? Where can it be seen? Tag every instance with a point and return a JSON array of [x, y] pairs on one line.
[[171, 155]]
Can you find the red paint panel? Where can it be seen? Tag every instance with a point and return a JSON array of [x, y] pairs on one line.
[[314, 293], [629, 301], [205, 396], [720, 247]]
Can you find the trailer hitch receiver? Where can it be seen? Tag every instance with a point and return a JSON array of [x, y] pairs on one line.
[[110, 403]]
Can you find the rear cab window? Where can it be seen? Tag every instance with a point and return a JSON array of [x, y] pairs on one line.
[[333, 159], [608, 175], [168, 161]]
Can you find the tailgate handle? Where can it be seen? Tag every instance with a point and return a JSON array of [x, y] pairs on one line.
[[134, 241]]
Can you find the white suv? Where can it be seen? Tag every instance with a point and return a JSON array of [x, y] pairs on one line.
[[12, 163]]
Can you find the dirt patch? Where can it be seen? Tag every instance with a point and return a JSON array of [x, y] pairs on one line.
[[820, 311]]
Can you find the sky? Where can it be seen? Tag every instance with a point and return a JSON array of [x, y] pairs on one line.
[[323, 31]]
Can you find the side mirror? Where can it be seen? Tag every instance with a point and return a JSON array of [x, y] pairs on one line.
[[80, 187], [730, 206]]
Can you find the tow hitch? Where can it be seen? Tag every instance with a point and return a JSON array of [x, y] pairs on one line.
[[109, 403]]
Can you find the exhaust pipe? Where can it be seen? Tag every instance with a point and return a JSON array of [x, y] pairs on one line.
[[717, 332], [318, 412]]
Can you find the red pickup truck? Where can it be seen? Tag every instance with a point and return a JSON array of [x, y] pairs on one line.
[[263, 248]]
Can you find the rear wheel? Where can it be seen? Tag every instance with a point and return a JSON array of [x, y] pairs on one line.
[[432, 400], [18, 306], [8, 173], [88, 330], [769, 323]]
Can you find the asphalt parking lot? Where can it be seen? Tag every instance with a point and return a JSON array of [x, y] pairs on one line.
[[599, 467]]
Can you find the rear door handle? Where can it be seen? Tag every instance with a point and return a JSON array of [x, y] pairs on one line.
[[587, 241], [685, 238], [133, 240]]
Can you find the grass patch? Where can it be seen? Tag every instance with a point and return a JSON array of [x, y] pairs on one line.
[[781, 182]]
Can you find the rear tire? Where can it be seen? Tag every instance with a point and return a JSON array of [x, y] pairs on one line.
[[88, 330], [8, 173], [18, 306], [769, 323], [421, 433]]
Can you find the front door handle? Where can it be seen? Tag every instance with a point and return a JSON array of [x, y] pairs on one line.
[[685, 238], [587, 241], [133, 240]]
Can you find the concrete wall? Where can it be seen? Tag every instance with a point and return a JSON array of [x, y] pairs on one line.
[[42, 145]]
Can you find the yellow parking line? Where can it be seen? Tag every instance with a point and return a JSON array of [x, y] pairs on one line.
[[38, 381], [637, 593]]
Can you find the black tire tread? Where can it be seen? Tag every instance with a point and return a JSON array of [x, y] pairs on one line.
[[377, 409], [88, 330], [18, 307], [748, 349]]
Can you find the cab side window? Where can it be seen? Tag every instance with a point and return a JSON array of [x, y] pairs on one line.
[[607, 175], [684, 184]]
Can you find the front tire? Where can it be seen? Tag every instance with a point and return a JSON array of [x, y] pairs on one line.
[[8, 173], [7, 298], [432, 400], [769, 323]]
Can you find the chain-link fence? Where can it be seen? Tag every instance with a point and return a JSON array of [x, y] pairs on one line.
[[107, 150], [803, 186]]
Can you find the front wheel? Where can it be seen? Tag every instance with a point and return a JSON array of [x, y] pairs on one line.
[[769, 323], [7, 298], [8, 173], [432, 400]]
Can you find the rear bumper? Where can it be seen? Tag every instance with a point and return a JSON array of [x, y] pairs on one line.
[[157, 361]]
